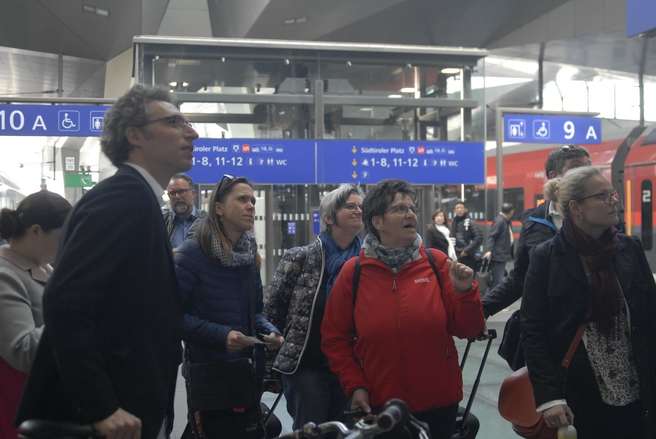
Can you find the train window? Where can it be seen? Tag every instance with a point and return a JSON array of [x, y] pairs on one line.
[[647, 231]]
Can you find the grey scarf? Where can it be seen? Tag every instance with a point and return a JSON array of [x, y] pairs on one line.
[[394, 258], [243, 252]]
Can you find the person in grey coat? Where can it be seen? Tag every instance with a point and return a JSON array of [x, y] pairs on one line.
[[32, 231], [500, 244], [296, 300]]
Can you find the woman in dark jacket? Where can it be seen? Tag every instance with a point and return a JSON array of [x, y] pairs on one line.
[[221, 290], [589, 276]]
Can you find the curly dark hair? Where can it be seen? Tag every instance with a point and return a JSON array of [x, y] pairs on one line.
[[128, 111], [557, 158], [379, 199]]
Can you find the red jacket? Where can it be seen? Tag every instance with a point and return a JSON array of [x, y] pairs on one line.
[[404, 347]]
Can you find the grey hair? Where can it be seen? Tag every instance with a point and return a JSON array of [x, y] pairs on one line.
[[335, 200], [572, 186]]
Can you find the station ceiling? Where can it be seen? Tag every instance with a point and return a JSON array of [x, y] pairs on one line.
[[582, 32]]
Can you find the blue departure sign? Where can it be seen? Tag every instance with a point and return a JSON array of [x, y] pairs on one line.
[[640, 17], [369, 161], [260, 160], [52, 120], [549, 128]]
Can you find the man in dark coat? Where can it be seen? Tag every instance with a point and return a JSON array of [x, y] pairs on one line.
[[499, 244], [468, 236], [538, 225], [111, 345]]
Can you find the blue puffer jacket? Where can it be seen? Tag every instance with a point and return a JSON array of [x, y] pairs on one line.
[[215, 300]]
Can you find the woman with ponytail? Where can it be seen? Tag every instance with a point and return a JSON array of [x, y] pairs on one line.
[[32, 232], [591, 282]]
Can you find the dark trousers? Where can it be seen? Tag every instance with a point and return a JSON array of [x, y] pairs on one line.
[[497, 273], [441, 422], [598, 420], [313, 395]]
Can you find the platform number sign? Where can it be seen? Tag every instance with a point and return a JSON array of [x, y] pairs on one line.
[[549, 128]]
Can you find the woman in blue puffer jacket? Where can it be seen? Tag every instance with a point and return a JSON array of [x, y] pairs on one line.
[[221, 292]]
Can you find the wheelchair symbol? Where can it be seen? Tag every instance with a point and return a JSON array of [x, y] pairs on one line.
[[541, 129], [69, 120]]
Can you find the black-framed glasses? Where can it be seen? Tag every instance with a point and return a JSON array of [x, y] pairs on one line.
[[177, 192], [403, 209], [606, 196], [175, 121]]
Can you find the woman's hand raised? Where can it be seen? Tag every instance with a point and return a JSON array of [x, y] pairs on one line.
[[461, 276]]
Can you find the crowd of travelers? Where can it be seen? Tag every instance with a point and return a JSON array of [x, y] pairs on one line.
[[364, 313]]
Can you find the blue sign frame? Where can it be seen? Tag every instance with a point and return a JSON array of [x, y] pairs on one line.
[[52, 120], [550, 128]]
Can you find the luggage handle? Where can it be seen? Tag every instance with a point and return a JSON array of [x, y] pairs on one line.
[[489, 335]]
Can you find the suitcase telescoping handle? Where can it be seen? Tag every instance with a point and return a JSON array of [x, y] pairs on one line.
[[489, 335]]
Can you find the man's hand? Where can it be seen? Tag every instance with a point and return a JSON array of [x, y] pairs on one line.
[[273, 341], [360, 400], [558, 416], [487, 255], [237, 341], [461, 276], [119, 425]]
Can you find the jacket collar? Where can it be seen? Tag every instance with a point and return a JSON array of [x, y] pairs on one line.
[[37, 272]]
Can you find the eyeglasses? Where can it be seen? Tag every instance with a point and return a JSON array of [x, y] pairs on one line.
[[176, 121], [403, 209], [353, 207], [606, 196], [175, 193]]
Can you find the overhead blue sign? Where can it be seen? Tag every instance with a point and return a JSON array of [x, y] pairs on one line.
[[52, 120], [419, 162], [549, 128], [261, 160], [640, 17]]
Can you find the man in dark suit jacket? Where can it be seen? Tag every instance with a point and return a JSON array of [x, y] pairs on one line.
[[111, 345], [499, 244]]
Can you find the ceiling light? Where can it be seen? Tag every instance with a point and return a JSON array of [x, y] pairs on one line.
[[173, 83], [366, 109], [185, 84], [88, 8], [102, 12], [287, 61], [408, 90], [223, 59], [349, 63], [301, 20], [450, 70], [394, 96], [289, 21]]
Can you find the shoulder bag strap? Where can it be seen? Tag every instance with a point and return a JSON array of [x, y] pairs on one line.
[[572, 347]]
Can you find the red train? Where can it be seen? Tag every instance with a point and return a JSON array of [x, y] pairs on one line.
[[524, 180]]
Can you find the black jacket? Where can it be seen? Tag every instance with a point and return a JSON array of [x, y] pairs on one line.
[[498, 240], [436, 239], [536, 228], [467, 234], [112, 315], [555, 302]]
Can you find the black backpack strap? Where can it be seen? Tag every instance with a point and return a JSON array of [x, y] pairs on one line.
[[431, 261], [356, 280]]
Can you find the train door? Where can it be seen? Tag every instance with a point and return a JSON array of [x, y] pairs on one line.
[[646, 215]]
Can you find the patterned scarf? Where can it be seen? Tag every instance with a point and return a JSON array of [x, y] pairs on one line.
[[394, 258], [335, 256], [597, 254], [243, 252]]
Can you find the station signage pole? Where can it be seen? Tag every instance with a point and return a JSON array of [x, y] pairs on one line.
[[528, 125]]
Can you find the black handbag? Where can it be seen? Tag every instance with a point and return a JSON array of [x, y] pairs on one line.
[[222, 385], [510, 348]]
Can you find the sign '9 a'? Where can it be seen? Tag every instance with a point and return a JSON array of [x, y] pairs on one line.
[[550, 128]]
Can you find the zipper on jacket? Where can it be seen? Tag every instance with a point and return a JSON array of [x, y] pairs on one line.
[[314, 302], [394, 287]]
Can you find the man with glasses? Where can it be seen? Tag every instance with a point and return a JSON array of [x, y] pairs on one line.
[[538, 225], [181, 213], [110, 350]]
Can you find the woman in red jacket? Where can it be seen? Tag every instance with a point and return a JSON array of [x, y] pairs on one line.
[[403, 321]]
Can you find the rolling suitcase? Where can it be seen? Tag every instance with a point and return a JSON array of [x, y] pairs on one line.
[[467, 424]]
